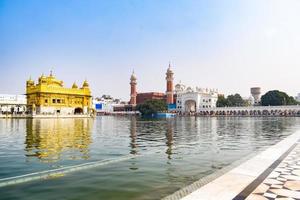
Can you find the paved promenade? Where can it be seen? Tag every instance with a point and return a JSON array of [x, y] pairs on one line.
[[283, 182], [273, 174]]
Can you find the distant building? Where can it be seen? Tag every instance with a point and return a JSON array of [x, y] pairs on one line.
[[142, 97], [105, 104], [139, 98], [49, 96], [249, 101], [12, 104], [255, 92], [191, 100], [182, 99]]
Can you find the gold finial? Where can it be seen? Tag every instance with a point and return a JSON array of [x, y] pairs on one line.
[[51, 73]]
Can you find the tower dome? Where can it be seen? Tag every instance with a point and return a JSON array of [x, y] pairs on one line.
[[133, 77], [169, 71], [133, 93]]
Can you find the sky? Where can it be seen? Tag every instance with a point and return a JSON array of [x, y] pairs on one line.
[[231, 45]]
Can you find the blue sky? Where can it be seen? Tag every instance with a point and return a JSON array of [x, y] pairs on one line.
[[230, 45]]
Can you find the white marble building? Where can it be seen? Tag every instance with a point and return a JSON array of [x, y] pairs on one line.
[[105, 104], [191, 100], [12, 104]]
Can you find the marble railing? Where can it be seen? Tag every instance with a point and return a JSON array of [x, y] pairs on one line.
[[293, 110]]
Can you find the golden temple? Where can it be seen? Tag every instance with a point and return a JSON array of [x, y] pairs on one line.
[[49, 97]]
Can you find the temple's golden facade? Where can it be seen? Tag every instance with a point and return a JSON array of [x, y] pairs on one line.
[[48, 96]]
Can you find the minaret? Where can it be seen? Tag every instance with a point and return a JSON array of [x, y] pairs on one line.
[[133, 92], [169, 79]]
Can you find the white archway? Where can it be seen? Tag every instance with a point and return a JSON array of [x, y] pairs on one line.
[[190, 106]]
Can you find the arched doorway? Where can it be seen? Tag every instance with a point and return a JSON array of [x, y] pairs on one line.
[[190, 106], [78, 111]]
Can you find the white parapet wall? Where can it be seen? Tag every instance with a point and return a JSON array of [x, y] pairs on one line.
[[253, 110]]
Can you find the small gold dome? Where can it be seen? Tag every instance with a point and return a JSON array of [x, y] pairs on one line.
[[74, 85], [30, 81], [43, 76], [85, 84]]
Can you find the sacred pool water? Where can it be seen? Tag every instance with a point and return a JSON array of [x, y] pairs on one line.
[[124, 157]]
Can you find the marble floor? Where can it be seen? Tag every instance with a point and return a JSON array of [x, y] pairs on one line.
[[283, 183]]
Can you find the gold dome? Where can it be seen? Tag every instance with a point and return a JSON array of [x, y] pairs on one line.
[[74, 85], [30, 81], [42, 76], [85, 84]]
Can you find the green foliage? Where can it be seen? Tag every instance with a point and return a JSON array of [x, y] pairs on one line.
[[277, 98], [235, 100], [231, 101], [153, 106], [222, 101]]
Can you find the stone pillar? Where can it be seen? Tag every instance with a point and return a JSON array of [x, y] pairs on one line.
[[169, 79], [133, 92]]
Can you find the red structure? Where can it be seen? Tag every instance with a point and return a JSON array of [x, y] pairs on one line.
[[169, 79], [139, 98], [142, 97], [133, 92]]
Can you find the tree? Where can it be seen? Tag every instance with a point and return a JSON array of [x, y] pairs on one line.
[[277, 98], [222, 101], [235, 100], [231, 101], [152, 106]]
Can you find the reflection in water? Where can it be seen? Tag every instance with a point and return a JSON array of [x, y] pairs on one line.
[[133, 135], [161, 156], [133, 142], [50, 139], [169, 137]]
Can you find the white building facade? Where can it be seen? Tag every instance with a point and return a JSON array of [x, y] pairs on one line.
[[191, 100], [105, 104], [12, 104]]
